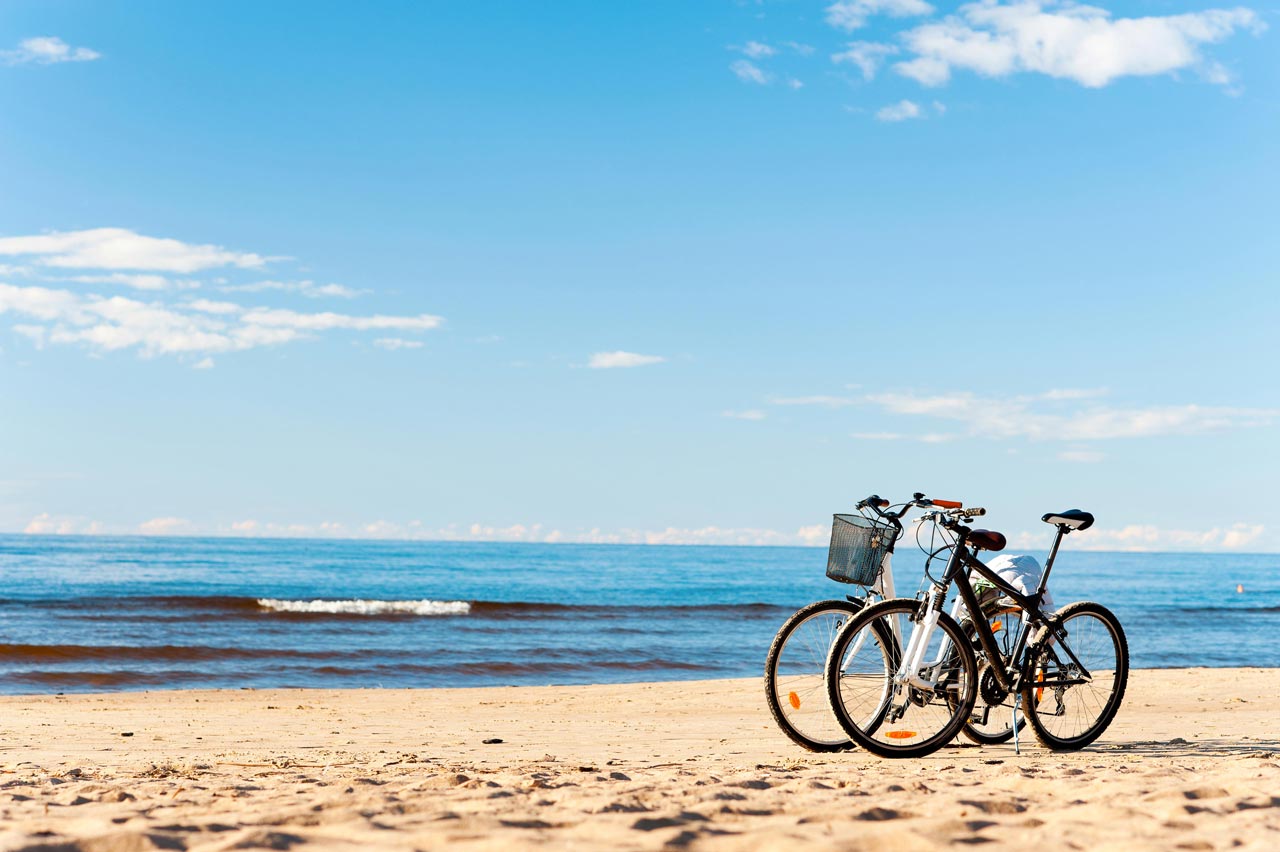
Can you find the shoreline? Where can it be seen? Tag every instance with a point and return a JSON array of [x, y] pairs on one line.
[[1192, 758], [215, 690]]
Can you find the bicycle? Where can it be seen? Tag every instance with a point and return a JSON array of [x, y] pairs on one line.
[[1066, 672], [860, 553]]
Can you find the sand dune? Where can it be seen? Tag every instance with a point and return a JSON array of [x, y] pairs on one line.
[[1192, 762]]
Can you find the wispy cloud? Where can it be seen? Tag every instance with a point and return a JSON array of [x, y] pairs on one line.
[[867, 56], [1050, 417], [167, 526], [1148, 537], [1069, 41], [749, 72], [613, 360], [901, 111], [119, 248], [756, 50], [849, 15], [109, 324], [46, 50], [305, 288], [136, 281]]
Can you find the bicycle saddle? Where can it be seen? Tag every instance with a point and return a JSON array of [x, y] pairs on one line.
[[1072, 519], [987, 540]]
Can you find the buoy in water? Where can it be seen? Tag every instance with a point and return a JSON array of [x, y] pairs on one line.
[[1239, 588]]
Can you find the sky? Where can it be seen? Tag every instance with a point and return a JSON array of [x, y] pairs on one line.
[[660, 272]]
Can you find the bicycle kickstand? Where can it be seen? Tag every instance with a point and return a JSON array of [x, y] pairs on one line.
[[1017, 699]]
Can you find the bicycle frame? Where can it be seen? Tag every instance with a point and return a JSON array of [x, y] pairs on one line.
[[960, 564]]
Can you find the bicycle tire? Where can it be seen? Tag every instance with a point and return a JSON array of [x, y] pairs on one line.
[[808, 635], [872, 733], [1095, 706]]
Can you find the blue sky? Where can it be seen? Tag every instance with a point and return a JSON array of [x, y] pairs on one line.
[[686, 272]]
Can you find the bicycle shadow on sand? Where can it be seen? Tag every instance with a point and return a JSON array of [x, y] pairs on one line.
[[1199, 747]]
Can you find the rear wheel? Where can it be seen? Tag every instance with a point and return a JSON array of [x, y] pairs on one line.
[[1075, 706], [793, 673], [892, 719]]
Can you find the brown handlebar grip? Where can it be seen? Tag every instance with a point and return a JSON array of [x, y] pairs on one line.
[[949, 504], [881, 503]]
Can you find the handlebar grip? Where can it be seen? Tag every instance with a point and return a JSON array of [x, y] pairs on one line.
[[949, 504], [975, 512]]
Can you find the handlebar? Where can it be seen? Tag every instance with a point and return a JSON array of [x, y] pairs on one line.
[[953, 507]]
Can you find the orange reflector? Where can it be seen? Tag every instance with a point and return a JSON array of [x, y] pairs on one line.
[[794, 699], [1040, 691], [996, 626], [899, 735]]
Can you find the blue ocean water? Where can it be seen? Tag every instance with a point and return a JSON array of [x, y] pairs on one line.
[[82, 613]]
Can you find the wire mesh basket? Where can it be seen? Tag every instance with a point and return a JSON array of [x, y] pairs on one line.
[[857, 549]]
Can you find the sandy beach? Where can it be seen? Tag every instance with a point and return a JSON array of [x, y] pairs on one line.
[[1192, 762]]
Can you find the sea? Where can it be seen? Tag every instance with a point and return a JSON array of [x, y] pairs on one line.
[[86, 613]]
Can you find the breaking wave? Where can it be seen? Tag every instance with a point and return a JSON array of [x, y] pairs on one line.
[[367, 607]]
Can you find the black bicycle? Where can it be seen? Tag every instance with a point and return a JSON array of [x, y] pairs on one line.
[[860, 554], [1066, 672]]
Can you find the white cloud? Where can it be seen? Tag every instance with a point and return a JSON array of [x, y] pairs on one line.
[[757, 50], [211, 307], [901, 111], [286, 319], [849, 15], [610, 360], [749, 414], [394, 343], [1082, 455], [1068, 41], [166, 526], [802, 49], [749, 72], [1148, 537], [1042, 417], [794, 84], [46, 50], [876, 436], [866, 55], [139, 281], [46, 524], [118, 248], [305, 288], [203, 364], [155, 328]]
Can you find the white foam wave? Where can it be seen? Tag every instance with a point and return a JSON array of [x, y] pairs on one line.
[[362, 607]]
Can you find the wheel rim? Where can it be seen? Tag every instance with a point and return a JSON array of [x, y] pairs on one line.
[[798, 679], [1070, 712]]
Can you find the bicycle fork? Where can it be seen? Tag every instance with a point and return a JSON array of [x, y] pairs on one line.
[[918, 645]]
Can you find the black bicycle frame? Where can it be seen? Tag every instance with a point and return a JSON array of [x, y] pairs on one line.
[[962, 559]]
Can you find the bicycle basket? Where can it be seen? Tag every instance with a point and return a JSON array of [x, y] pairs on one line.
[[857, 549]]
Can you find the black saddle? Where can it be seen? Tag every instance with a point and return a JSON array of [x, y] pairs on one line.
[[987, 540], [1072, 519]]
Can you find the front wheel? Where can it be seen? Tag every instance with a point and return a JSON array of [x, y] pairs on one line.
[[793, 673], [1069, 707], [892, 718]]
